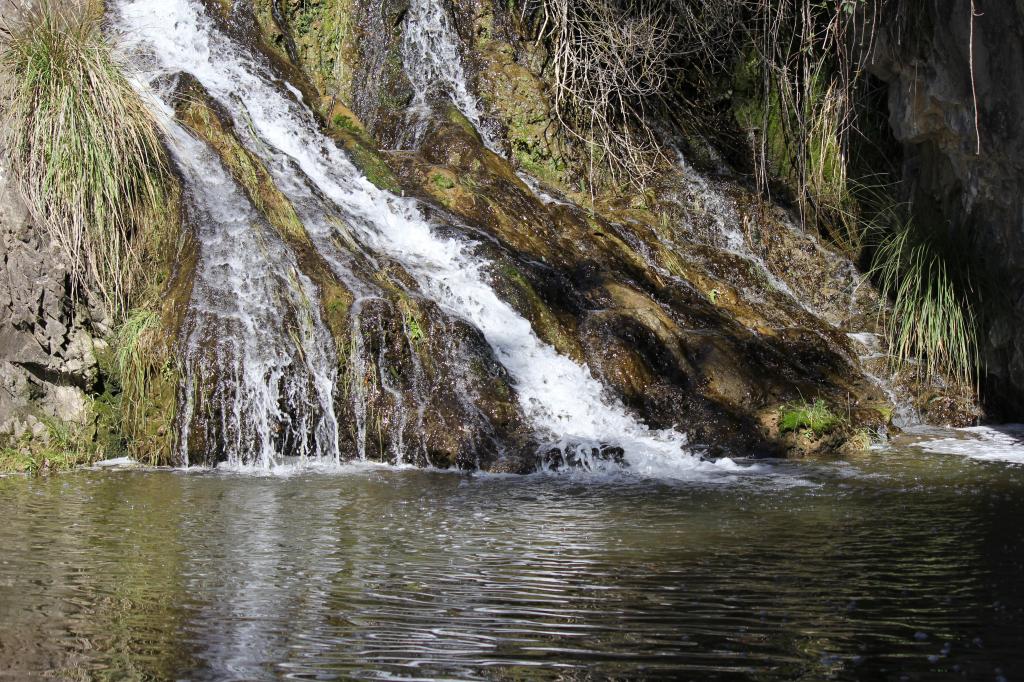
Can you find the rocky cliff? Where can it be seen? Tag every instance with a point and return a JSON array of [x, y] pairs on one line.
[[696, 305], [48, 344], [956, 102]]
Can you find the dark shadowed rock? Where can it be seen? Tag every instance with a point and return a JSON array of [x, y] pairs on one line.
[[965, 175]]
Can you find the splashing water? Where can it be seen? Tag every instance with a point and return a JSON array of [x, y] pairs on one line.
[[433, 62], [568, 407], [254, 342]]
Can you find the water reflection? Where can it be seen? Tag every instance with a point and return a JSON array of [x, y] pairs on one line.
[[895, 566]]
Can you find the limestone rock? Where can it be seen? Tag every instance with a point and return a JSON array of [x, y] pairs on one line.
[[47, 355], [964, 173]]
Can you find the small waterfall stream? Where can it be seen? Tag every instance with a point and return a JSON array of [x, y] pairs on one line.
[[254, 340], [568, 407], [433, 62]]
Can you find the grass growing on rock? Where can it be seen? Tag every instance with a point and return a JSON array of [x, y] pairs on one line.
[[809, 416], [65, 447], [85, 150], [931, 327], [132, 345]]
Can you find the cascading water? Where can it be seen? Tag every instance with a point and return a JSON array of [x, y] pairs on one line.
[[568, 407], [433, 62], [726, 217], [727, 222], [255, 346]]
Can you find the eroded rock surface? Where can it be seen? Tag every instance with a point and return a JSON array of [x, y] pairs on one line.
[[47, 349]]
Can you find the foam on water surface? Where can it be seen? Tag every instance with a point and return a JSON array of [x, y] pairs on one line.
[[1003, 443]]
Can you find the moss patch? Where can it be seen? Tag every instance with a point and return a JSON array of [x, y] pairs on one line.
[[815, 417]]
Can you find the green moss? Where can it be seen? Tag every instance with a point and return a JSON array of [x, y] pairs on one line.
[[458, 118], [547, 325], [325, 38], [802, 150], [442, 181], [763, 114], [815, 417], [368, 160], [412, 326], [345, 122], [197, 113], [518, 99]]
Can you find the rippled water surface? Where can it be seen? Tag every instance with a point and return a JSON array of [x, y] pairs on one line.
[[893, 565]]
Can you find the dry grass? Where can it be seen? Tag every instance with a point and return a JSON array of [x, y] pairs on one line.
[[617, 65], [85, 150], [608, 61]]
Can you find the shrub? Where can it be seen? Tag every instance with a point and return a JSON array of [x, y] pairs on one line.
[[83, 147]]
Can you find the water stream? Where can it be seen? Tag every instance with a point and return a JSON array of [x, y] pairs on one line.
[[434, 64], [570, 409], [254, 340]]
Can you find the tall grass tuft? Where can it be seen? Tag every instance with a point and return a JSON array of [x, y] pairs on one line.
[[83, 147], [932, 326], [133, 345]]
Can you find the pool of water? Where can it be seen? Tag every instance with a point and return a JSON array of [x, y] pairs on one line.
[[902, 564]]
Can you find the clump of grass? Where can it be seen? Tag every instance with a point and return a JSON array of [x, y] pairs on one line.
[[148, 375], [805, 416], [85, 150], [66, 446], [134, 358], [931, 327], [132, 344], [443, 181]]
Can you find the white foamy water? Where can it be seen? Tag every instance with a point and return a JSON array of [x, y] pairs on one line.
[[274, 379], [728, 223], [569, 408], [989, 443], [433, 62], [873, 360]]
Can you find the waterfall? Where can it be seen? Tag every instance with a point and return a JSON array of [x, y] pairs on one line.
[[433, 62], [568, 407], [727, 221], [254, 340]]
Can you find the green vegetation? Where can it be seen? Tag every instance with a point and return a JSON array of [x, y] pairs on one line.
[[931, 327], [815, 417], [346, 123], [32, 461], [412, 327], [65, 447], [132, 348], [84, 148], [443, 181]]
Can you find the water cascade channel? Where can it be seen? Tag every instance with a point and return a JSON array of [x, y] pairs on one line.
[[569, 409]]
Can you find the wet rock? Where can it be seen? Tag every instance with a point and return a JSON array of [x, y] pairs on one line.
[[690, 337], [574, 457]]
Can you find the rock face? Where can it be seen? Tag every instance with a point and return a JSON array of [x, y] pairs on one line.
[[695, 305], [47, 351], [963, 174]]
